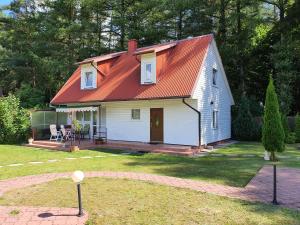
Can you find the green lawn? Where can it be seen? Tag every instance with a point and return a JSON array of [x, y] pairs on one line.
[[117, 201], [225, 169]]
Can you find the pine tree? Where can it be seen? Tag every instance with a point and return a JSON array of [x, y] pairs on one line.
[[244, 126], [297, 128], [272, 132], [285, 126]]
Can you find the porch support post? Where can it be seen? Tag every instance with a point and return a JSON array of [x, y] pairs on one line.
[[98, 118], [91, 125], [73, 116]]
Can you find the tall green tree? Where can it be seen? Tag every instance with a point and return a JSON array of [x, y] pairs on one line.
[[297, 127], [245, 128], [272, 132]]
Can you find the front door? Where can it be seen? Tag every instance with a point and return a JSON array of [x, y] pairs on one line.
[[156, 125]]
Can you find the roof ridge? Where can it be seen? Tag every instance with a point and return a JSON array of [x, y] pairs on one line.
[[174, 41], [151, 46]]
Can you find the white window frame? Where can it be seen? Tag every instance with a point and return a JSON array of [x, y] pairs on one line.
[[215, 119], [88, 69], [133, 114], [90, 73], [214, 76], [147, 74], [147, 59]]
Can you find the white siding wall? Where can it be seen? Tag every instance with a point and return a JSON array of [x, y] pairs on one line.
[[180, 122], [205, 92]]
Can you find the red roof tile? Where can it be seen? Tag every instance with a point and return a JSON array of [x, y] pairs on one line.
[[177, 72]]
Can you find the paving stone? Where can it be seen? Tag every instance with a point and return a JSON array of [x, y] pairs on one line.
[[53, 160], [249, 155], [17, 164], [216, 155], [40, 216], [86, 157], [283, 157]]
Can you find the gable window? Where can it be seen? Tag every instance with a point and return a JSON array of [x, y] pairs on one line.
[[148, 71], [214, 77], [135, 114], [215, 119], [88, 79]]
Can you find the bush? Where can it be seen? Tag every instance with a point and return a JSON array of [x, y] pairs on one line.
[[297, 128], [285, 126], [14, 120], [245, 128], [291, 138]]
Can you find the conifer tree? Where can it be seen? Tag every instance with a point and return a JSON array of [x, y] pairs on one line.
[[245, 127], [297, 128], [272, 132]]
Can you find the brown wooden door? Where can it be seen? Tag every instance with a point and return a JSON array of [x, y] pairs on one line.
[[156, 125]]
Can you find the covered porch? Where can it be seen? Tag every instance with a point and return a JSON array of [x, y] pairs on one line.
[[92, 119]]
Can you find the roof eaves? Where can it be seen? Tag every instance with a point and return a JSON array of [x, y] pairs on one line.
[[121, 100]]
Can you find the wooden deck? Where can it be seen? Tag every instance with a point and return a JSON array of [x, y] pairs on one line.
[[122, 145]]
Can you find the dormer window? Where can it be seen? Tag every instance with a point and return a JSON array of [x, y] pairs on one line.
[[214, 77], [148, 72], [88, 77], [148, 68]]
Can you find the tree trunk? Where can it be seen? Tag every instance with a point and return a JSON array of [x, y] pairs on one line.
[[240, 65], [179, 26], [222, 22], [122, 28], [273, 157]]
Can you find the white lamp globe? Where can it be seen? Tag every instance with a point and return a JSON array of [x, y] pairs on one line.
[[77, 176]]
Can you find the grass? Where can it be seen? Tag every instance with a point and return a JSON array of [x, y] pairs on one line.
[[233, 171], [14, 212], [118, 201], [289, 158]]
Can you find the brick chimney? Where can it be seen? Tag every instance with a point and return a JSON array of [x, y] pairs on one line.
[[132, 45]]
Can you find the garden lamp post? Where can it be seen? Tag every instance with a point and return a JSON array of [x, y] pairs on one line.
[[275, 202], [77, 177]]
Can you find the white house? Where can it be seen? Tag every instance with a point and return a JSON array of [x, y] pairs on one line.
[[173, 93]]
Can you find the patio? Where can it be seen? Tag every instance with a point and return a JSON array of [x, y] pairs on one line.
[[122, 145]]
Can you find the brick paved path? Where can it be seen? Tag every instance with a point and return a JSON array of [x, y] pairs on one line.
[[259, 188], [40, 216], [288, 186]]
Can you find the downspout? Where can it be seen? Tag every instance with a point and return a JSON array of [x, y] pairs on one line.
[[199, 119]]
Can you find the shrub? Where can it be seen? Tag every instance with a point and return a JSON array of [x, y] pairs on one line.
[[285, 126], [291, 138], [297, 128], [245, 128], [14, 120], [272, 132]]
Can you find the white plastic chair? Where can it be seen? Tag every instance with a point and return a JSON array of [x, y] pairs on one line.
[[55, 134], [66, 134]]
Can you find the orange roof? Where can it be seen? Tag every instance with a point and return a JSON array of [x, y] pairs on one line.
[[177, 66]]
